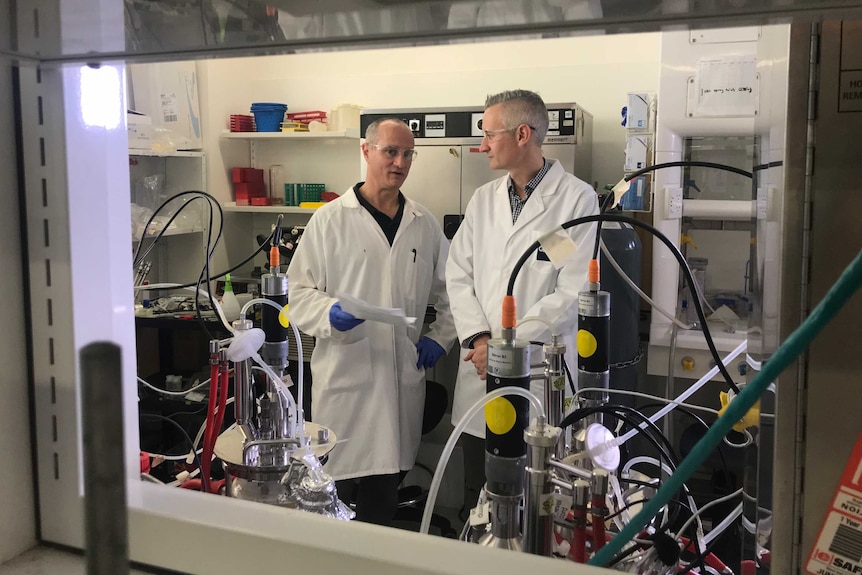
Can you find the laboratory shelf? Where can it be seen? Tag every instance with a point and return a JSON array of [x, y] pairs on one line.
[[168, 233], [346, 134], [232, 207], [167, 154]]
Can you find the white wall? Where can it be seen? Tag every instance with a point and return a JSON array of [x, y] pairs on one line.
[[18, 526], [594, 71]]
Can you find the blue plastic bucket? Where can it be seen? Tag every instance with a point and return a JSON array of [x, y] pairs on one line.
[[268, 116]]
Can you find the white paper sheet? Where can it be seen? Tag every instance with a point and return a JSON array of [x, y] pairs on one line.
[[726, 87], [366, 311]]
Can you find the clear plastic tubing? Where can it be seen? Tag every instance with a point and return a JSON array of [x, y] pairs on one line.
[[456, 433], [300, 416]]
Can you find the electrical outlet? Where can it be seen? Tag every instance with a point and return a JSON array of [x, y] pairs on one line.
[[673, 203]]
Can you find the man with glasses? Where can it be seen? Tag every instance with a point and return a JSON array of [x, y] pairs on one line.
[[502, 220], [368, 386]]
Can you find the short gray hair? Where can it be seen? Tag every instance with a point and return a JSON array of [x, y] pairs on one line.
[[371, 130], [522, 107]]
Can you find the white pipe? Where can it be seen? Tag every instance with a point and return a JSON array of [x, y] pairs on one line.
[[755, 365], [166, 392], [300, 412], [540, 320], [638, 290], [666, 469], [648, 396], [456, 433], [682, 397], [694, 517], [719, 209], [725, 523]]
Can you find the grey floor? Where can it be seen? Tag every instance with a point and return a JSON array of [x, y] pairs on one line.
[[52, 561]]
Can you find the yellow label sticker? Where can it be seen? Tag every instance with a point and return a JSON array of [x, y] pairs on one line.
[[500, 415], [587, 343], [559, 383], [282, 318]]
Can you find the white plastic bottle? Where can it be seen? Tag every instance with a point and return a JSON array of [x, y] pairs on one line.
[[229, 304]]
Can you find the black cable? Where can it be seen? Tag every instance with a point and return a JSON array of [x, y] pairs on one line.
[[276, 232], [766, 166], [623, 413], [578, 414], [602, 208], [203, 22], [701, 555], [638, 482], [705, 426], [688, 164], [233, 269], [698, 306], [650, 425], [198, 194], [628, 506], [204, 480], [623, 554], [569, 377], [651, 433], [210, 247], [206, 270]]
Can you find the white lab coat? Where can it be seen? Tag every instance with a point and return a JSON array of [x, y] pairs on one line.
[[365, 384], [481, 259]]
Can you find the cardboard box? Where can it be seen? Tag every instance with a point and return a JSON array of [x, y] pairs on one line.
[[140, 129], [168, 92]]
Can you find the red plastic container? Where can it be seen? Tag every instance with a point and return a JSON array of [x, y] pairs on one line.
[[306, 117]]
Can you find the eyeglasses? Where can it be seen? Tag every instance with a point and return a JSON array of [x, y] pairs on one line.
[[392, 152], [491, 135]]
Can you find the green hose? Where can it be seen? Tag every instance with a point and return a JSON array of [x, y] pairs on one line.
[[794, 345]]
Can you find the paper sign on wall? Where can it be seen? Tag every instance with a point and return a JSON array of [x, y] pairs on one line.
[[724, 87]]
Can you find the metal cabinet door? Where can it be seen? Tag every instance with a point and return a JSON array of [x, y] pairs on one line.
[[475, 172], [565, 153], [476, 169], [434, 180]]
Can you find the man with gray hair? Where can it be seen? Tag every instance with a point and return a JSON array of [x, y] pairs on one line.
[[377, 245], [503, 218]]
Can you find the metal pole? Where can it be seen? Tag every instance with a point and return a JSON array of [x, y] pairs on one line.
[[538, 492], [105, 514]]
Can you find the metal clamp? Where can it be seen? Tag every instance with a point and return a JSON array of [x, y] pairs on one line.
[[263, 442]]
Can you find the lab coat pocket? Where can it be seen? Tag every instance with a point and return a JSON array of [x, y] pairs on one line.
[[540, 274], [348, 365], [410, 375]]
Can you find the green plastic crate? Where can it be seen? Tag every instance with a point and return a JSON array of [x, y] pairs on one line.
[[310, 192]]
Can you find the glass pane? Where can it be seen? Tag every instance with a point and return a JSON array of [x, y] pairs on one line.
[[174, 28], [710, 184]]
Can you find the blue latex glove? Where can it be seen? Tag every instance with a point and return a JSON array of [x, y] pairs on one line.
[[429, 352], [341, 320]]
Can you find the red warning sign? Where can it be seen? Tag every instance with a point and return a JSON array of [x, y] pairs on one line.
[[838, 550]]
